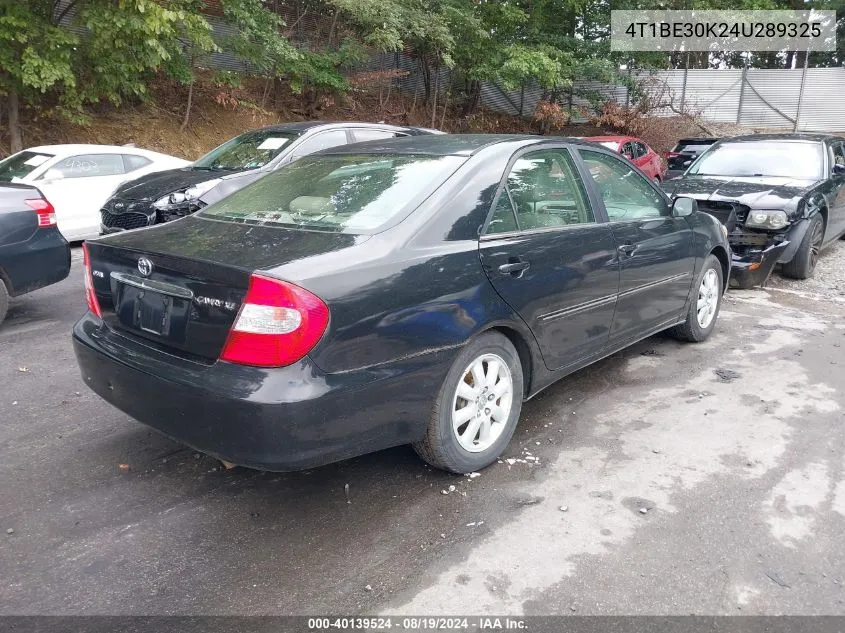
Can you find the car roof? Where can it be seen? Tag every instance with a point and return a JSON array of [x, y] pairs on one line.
[[446, 144], [301, 127], [802, 136], [89, 148]]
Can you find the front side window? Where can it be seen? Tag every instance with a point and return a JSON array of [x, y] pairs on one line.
[[781, 159], [89, 165], [22, 164], [641, 150], [361, 193], [837, 154], [626, 194], [543, 191], [627, 150], [133, 162], [247, 151]]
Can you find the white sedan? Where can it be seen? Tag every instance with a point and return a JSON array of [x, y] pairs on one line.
[[78, 179]]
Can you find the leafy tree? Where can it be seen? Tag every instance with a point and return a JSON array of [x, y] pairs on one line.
[[35, 57]]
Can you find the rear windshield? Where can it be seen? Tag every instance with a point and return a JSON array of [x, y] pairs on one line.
[[247, 151], [350, 194], [693, 145], [21, 165], [781, 159]]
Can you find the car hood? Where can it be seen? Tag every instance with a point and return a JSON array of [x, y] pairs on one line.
[[246, 246], [154, 186], [763, 192]]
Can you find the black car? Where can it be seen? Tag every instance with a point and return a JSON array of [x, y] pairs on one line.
[[175, 193], [781, 197], [406, 291], [684, 153], [33, 253]]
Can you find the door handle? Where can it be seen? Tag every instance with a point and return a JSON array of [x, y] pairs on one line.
[[514, 268], [627, 249]]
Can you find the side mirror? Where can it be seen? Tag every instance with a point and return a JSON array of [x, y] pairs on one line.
[[839, 170], [53, 174], [684, 207]]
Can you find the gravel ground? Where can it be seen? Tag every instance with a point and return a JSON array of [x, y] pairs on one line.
[[828, 278]]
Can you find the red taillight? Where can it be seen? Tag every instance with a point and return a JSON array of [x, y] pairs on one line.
[[671, 154], [277, 324], [90, 296], [46, 212]]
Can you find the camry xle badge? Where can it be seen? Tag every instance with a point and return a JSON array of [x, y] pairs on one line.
[[145, 266], [217, 303]]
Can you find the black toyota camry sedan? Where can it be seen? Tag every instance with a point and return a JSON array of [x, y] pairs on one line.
[[781, 197], [412, 291]]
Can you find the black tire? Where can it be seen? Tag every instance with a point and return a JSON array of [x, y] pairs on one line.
[[691, 330], [440, 446], [804, 262], [4, 301]]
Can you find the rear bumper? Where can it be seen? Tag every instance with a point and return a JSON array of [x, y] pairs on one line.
[[279, 419], [41, 260]]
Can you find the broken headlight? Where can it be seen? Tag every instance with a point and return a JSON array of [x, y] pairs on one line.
[[191, 193], [766, 219]]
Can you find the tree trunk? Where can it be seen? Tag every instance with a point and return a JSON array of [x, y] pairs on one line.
[[15, 132], [434, 97], [188, 107]]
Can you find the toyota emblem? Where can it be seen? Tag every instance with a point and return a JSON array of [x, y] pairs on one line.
[[145, 266]]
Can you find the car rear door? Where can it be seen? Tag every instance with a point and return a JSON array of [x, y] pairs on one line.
[[551, 256], [654, 250]]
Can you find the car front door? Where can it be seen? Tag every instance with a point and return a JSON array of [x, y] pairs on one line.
[[77, 187], [654, 249], [551, 256], [837, 195]]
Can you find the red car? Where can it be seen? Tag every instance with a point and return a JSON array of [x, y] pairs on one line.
[[635, 151]]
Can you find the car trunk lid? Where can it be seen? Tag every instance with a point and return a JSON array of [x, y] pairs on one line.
[[179, 286]]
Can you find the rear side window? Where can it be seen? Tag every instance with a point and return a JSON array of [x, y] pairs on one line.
[[542, 191], [372, 135], [133, 162], [90, 165], [346, 193], [21, 165]]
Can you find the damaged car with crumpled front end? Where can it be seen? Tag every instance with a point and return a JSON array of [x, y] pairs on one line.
[[780, 196]]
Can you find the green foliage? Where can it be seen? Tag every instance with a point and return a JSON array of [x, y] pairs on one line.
[[129, 40], [35, 55]]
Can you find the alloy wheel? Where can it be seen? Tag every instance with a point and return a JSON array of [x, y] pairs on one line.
[[708, 298], [482, 403]]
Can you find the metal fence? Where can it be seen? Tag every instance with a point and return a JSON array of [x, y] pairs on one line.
[[798, 100]]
